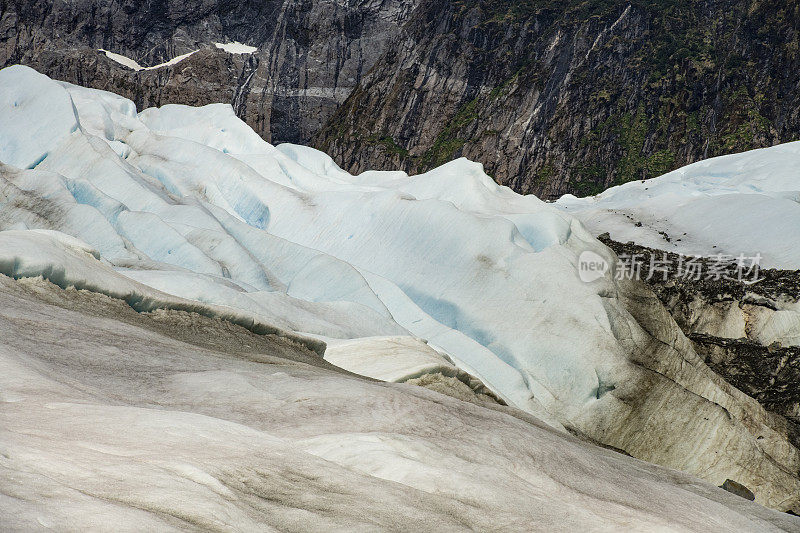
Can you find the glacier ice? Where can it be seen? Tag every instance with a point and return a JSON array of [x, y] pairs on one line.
[[739, 204], [33, 121], [747, 203], [116, 421], [191, 204]]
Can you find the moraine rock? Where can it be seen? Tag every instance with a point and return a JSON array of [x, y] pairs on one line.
[[738, 489]]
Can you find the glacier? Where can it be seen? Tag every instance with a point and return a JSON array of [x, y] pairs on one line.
[[747, 203], [188, 210], [113, 420]]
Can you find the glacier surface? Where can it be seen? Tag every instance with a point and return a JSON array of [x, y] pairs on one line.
[[188, 209], [747, 203], [112, 420]]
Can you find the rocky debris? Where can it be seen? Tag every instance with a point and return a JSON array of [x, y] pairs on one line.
[[708, 311], [738, 489], [770, 374], [773, 285], [454, 387]]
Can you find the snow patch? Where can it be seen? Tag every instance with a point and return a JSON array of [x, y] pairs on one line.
[[236, 48], [133, 65]]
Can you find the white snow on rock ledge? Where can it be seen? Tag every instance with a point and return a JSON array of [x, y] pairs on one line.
[[236, 48], [189, 201], [133, 65]]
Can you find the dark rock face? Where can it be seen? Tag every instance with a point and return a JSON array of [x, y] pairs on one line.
[[551, 96], [310, 54], [568, 96], [770, 374]]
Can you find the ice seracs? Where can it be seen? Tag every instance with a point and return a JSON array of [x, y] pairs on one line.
[[192, 203], [33, 120]]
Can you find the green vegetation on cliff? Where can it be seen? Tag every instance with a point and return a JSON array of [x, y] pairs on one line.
[[557, 96]]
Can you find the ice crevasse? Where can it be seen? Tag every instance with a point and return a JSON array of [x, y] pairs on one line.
[[184, 204]]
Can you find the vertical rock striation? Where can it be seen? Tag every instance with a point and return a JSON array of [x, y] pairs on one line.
[[566, 96], [310, 54]]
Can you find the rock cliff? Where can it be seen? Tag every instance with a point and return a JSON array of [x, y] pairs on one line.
[[563, 96], [551, 96]]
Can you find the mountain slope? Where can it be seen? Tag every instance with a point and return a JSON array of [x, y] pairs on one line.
[[182, 203], [571, 97], [308, 55], [552, 96]]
